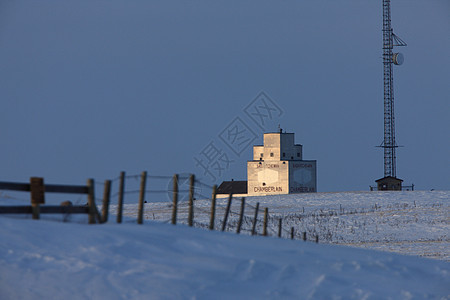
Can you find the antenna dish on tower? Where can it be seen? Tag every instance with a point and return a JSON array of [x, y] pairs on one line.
[[398, 59]]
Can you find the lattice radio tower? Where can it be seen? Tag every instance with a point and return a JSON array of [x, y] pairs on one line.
[[389, 58]]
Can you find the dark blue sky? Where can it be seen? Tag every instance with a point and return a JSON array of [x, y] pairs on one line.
[[91, 88]]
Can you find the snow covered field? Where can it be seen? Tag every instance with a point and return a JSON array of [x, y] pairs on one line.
[[409, 222], [55, 260]]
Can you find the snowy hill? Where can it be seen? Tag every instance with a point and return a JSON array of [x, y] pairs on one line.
[[56, 260], [53, 260]]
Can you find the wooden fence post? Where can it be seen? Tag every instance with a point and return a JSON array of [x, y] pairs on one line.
[[266, 216], [225, 218], [191, 200], [37, 191], [241, 216], [175, 199], [141, 198], [35, 211], [304, 236], [317, 238], [292, 233], [106, 198], [255, 219], [280, 221], [120, 200], [213, 208], [91, 201]]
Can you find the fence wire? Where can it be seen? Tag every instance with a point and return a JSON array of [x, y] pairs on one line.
[[161, 206]]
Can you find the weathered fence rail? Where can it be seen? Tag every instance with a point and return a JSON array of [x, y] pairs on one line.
[[49, 188], [21, 209], [37, 188]]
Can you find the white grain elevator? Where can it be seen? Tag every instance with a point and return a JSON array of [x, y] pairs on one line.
[[278, 167]]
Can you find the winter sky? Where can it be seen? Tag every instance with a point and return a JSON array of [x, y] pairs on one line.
[[92, 88]]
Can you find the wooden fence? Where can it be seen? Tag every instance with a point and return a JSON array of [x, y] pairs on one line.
[[37, 189]]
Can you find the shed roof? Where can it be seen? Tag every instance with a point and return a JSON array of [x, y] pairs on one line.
[[389, 178], [232, 187]]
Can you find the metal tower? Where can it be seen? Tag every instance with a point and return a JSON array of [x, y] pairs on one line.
[[389, 41]]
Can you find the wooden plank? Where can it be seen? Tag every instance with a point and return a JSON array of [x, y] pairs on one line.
[[66, 189], [16, 209], [50, 209], [14, 186], [44, 209], [49, 188]]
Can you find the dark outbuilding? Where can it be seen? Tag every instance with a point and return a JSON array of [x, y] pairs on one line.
[[389, 183]]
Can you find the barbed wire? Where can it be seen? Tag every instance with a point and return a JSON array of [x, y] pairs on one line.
[[115, 179], [254, 207], [163, 177], [204, 184], [139, 176], [204, 210], [221, 205], [247, 221]]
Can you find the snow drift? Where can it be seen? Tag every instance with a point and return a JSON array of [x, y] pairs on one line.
[[53, 260]]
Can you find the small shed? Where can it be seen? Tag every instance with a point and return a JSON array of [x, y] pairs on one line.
[[389, 183]]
